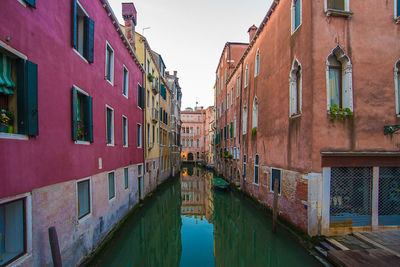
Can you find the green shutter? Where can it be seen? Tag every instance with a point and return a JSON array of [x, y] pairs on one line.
[[32, 3], [89, 39], [89, 118], [27, 98], [74, 114], [231, 129], [74, 23]]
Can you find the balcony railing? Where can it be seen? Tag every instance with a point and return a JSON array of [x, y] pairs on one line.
[[154, 115]]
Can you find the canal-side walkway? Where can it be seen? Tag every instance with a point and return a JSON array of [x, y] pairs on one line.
[[380, 248]]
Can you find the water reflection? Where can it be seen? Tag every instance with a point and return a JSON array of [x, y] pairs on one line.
[[189, 224]]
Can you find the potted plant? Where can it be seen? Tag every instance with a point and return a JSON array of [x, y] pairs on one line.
[[150, 77], [4, 120], [336, 112], [254, 131], [10, 124]]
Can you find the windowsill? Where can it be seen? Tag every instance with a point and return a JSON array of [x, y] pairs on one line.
[[19, 261], [125, 146], [295, 116], [110, 145], [338, 13], [85, 218], [256, 184], [112, 199], [125, 96], [14, 136], [295, 30], [279, 194], [80, 55], [79, 142], [110, 82]]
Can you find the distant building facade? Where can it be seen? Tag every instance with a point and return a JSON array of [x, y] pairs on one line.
[[310, 105], [210, 135], [193, 134]]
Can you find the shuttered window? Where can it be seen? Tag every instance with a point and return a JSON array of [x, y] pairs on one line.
[[110, 125], [256, 169], [126, 177], [139, 136], [398, 8], [276, 175], [140, 96], [82, 116], [82, 31]]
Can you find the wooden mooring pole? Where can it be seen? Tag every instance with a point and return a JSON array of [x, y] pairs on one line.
[[55, 249], [275, 206]]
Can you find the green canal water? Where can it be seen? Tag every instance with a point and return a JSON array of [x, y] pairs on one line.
[[187, 223]]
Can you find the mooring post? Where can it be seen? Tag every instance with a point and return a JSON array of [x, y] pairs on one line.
[[275, 206], [55, 249]]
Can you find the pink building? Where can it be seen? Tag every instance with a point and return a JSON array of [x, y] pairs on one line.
[[193, 134], [72, 155]]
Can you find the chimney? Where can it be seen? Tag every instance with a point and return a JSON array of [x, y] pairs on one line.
[[175, 73], [130, 18], [252, 31], [167, 73]]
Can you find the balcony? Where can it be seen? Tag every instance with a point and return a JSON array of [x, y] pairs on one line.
[[154, 115], [154, 87]]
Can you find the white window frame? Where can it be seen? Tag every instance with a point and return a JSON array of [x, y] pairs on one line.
[[397, 86], [246, 76], [84, 218], [238, 153], [28, 226], [293, 90], [254, 170], [294, 29], [112, 125], [396, 16], [115, 186], [125, 83], [254, 117], [126, 182], [245, 115], [81, 142], [347, 78], [346, 5], [237, 86], [232, 97], [234, 126], [125, 131], [280, 181], [87, 15], [111, 64], [139, 132], [257, 63]]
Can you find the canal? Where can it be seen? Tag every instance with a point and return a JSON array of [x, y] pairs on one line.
[[187, 223]]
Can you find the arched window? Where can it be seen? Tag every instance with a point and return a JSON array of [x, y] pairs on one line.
[[244, 120], [255, 113], [339, 80], [257, 65], [246, 75], [295, 82], [397, 85]]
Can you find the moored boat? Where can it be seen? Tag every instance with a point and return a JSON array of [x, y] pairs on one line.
[[220, 184]]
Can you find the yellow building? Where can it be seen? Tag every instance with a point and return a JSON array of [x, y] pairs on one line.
[[151, 128]]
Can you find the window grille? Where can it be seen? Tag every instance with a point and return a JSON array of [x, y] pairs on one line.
[[389, 196], [350, 198]]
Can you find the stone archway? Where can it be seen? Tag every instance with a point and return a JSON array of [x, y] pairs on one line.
[[190, 157]]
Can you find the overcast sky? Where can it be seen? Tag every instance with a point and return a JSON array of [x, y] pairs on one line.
[[190, 36]]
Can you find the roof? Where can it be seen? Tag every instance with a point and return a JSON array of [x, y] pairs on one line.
[[228, 44]]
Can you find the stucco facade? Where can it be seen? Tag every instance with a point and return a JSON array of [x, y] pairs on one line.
[[193, 134], [284, 108], [85, 137]]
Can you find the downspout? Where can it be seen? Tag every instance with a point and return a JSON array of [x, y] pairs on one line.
[[144, 112]]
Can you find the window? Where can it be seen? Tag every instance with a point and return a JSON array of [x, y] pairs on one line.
[[140, 100], [139, 136], [110, 125], [295, 82], [255, 113], [111, 185], [246, 75], [244, 166], [126, 177], [83, 32], [83, 188], [397, 85], [276, 175], [82, 115], [18, 95], [109, 63], [148, 135], [244, 118], [337, 4], [234, 127], [231, 129], [238, 86], [12, 231], [256, 169], [397, 10], [153, 134], [257, 64], [198, 143], [238, 153], [296, 14], [198, 130], [148, 98], [125, 82], [231, 96], [339, 80], [125, 131]]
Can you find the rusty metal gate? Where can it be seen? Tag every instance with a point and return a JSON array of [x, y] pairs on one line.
[[350, 197], [389, 196]]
